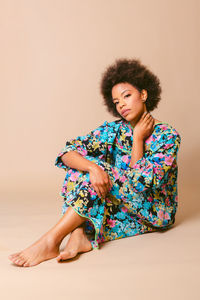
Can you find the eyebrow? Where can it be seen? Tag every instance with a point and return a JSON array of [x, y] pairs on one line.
[[121, 94]]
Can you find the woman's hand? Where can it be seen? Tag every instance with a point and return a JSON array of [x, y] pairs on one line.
[[144, 127], [100, 180]]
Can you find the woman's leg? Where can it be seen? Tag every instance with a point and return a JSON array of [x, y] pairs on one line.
[[78, 242], [47, 246]]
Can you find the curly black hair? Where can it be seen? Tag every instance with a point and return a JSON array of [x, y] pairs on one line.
[[135, 73]]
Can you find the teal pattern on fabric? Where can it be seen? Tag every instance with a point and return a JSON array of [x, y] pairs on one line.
[[143, 197]]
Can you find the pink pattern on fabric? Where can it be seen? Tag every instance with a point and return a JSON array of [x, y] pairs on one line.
[[74, 176], [124, 209], [111, 222], [161, 214], [164, 127], [83, 152], [126, 159], [123, 179], [116, 174], [97, 132], [169, 160], [167, 217]]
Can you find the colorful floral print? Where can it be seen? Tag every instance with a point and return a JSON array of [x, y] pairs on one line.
[[143, 197]]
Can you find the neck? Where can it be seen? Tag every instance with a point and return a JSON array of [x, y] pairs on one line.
[[135, 121]]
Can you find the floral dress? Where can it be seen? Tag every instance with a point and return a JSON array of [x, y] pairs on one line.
[[143, 198]]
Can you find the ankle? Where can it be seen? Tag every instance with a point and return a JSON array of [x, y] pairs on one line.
[[52, 240], [78, 230]]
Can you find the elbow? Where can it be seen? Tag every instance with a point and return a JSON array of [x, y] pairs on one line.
[[65, 155], [63, 158]]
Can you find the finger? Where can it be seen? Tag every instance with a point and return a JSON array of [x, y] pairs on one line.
[[106, 188], [108, 185], [151, 124], [102, 191], [149, 120], [111, 184], [148, 115], [97, 190], [153, 121], [144, 114]]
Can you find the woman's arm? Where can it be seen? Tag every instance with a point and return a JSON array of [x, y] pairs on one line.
[[75, 160], [150, 170], [92, 144], [98, 177], [137, 151], [142, 130]]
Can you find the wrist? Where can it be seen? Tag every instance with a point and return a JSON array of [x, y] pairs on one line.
[[138, 138], [90, 166]]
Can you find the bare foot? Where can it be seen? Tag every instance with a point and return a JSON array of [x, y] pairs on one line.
[[45, 248], [78, 242]]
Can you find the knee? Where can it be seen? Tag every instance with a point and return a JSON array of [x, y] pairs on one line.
[[77, 176]]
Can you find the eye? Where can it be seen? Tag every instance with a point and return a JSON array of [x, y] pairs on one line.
[[127, 95], [124, 96]]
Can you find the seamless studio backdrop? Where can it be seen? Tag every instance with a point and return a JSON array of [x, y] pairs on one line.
[[52, 56]]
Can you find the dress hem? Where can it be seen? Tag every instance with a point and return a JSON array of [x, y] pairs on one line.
[[94, 243]]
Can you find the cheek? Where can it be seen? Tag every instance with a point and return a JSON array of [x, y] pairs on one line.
[[134, 102]]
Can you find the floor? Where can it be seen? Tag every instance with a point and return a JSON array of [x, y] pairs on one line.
[[157, 265]]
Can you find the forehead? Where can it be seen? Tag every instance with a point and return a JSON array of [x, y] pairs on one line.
[[120, 87]]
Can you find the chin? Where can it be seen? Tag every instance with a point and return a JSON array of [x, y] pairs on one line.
[[126, 118], [129, 117]]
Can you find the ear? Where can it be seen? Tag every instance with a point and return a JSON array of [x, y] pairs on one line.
[[144, 95]]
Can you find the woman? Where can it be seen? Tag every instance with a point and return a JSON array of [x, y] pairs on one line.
[[121, 178]]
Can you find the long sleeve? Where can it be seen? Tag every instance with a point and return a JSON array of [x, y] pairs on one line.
[[92, 144], [150, 171]]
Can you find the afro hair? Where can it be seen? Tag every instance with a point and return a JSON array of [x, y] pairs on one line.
[[135, 73]]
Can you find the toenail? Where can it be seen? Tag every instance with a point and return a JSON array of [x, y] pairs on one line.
[[26, 265], [72, 252]]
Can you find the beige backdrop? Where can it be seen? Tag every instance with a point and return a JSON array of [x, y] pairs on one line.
[[52, 56]]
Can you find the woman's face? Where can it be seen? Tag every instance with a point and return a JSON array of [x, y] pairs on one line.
[[126, 97]]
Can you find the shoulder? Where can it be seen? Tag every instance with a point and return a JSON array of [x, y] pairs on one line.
[[164, 130], [113, 124], [107, 129], [164, 136], [110, 129]]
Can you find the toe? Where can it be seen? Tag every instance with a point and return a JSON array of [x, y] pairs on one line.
[[14, 259], [66, 255], [58, 258], [61, 256], [13, 255], [18, 262], [26, 264], [21, 261]]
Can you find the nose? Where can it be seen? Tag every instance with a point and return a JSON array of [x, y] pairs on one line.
[[121, 103]]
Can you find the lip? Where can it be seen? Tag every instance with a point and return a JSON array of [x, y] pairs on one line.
[[124, 112]]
